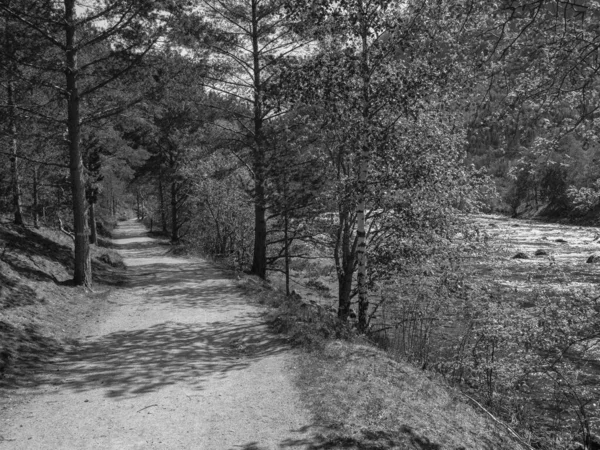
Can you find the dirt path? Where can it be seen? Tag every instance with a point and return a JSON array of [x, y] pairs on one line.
[[180, 361]]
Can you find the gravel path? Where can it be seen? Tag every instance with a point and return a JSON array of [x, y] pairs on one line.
[[180, 361]]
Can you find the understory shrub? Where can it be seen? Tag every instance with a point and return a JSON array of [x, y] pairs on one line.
[[532, 363]]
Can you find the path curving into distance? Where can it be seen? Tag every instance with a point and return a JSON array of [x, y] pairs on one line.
[[180, 361]]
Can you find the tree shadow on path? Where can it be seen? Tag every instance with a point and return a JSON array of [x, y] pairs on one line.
[[321, 439], [216, 334], [137, 362]]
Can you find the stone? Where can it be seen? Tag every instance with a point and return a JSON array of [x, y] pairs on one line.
[[593, 259], [521, 255], [541, 252]]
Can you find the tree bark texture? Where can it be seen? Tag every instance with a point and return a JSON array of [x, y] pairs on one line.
[[174, 222], [161, 197], [259, 262], [286, 225], [83, 267], [12, 130], [36, 198], [363, 169], [344, 254], [93, 228]]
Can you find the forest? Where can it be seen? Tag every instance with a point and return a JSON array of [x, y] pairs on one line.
[[345, 144]]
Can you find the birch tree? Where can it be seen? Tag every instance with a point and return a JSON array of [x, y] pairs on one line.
[[380, 65]]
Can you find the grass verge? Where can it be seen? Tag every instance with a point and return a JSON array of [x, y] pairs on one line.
[[362, 399]]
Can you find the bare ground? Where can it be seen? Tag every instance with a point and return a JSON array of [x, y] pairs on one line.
[[176, 360]]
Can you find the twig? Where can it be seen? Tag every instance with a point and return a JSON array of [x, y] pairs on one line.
[[146, 407], [515, 435], [62, 228]]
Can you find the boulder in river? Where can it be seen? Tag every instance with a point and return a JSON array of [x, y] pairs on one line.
[[561, 241], [593, 259], [521, 255], [541, 252]]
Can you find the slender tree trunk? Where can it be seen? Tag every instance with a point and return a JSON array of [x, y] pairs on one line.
[[361, 250], [174, 225], [286, 227], [12, 130], [137, 203], [93, 228], [259, 262], [83, 266], [161, 197], [287, 252], [361, 255], [36, 199], [14, 169], [344, 256]]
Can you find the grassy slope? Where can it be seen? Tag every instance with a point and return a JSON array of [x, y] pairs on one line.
[[40, 311], [362, 399]]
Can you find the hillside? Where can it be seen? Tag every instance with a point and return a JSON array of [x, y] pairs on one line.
[[40, 311]]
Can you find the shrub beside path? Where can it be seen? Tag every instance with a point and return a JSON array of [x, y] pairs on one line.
[[179, 361]]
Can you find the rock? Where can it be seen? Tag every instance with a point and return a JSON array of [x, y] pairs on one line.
[[541, 252], [561, 241], [107, 259], [521, 255], [593, 259]]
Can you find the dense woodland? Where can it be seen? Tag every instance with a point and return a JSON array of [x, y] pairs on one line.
[[275, 133]]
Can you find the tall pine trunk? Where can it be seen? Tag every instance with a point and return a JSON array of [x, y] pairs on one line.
[[93, 228], [161, 197], [83, 268], [36, 198], [259, 261], [286, 226], [14, 159], [12, 130], [137, 202], [174, 222]]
